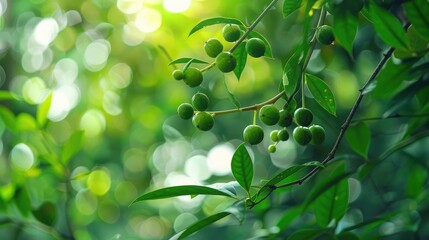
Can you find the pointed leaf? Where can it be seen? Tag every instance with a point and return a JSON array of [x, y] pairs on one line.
[[200, 224], [42, 111], [25, 122], [213, 21], [72, 146], [345, 28], [240, 54], [390, 79], [290, 171], [242, 167], [6, 95], [176, 191], [46, 213], [359, 138], [238, 210], [186, 60], [22, 201], [231, 96], [321, 93], [8, 118], [388, 27], [268, 49], [292, 72], [417, 12], [289, 6]]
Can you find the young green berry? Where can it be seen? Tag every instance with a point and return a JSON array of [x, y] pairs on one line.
[[269, 114], [253, 134], [318, 134], [274, 135], [303, 117], [226, 62], [203, 121], [255, 47], [283, 135], [213, 47], [178, 74], [231, 32], [193, 77], [285, 119], [272, 148], [185, 111], [325, 35], [200, 101], [302, 135]]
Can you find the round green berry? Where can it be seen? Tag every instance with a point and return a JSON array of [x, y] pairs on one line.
[[325, 35], [203, 121], [193, 77], [318, 134], [253, 134], [255, 47], [200, 101], [285, 119], [269, 114], [303, 117], [302, 135], [283, 135], [178, 74], [274, 135], [272, 148], [231, 32], [226, 62], [185, 111], [213, 47]]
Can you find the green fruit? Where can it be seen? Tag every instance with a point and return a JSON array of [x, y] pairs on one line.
[[269, 114], [302, 135], [200, 101], [325, 35], [272, 148], [213, 47], [318, 134], [193, 77], [255, 47], [285, 119], [339, 7], [178, 74], [203, 121], [231, 32], [226, 62], [303, 117], [253, 134], [274, 136], [283, 135], [185, 111]]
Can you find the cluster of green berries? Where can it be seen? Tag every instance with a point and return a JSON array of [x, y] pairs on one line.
[[303, 134], [197, 111]]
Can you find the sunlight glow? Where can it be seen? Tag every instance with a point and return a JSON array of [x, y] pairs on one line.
[[46, 31], [129, 6], [22, 157], [177, 6], [219, 159], [148, 20]]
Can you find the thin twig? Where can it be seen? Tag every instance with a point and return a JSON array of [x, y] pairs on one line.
[[397, 115]]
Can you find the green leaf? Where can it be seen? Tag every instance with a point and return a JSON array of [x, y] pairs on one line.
[[6, 95], [417, 12], [42, 111], [359, 138], [200, 224], [8, 118], [292, 72], [242, 167], [347, 236], [240, 54], [22, 201], [213, 21], [268, 49], [321, 93], [390, 79], [290, 6], [72, 146], [25, 122], [176, 191], [333, 203], [307, 234], [187, 60], [388, 27], [417, 46], [238, 210], [345, 28], [231, 96], [288, 217], [46, 213], [290, 171]]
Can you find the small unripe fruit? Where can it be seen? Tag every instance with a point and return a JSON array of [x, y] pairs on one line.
[[285, 119], [318, 134], [231, 32], [185, 111], [178, 74], [193, 77], [213, 47], [283, 135], [303, 117], [200, 101], [203, 121], [269, 114], [325, 35], [302, 135], [226, 62], [253, 134], [272, 148], [274, 136], [255, 47]]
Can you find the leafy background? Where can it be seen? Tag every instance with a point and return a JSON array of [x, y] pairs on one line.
[[88, 124]]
